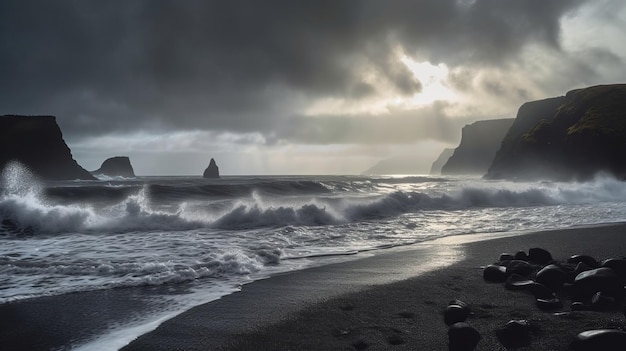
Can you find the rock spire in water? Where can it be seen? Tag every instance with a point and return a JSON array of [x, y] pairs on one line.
[[212, 171]]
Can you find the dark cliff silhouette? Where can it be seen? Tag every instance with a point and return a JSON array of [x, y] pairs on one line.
[[479, 143], [212, 171], [444, 156], [564, 138], [118, 166], [37, 143]]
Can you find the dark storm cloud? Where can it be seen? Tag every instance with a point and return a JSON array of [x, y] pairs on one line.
[[238, 65]]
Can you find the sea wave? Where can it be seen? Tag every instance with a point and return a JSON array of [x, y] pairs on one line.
[[94, 274], [25, 208]]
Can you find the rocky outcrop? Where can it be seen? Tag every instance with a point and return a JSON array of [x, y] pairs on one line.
[[564, 138], [212, 171], [479, 143], [118, 166], [37, 143], [435, 169]]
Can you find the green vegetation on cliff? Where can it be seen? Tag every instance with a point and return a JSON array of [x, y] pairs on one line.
[[569, 137]]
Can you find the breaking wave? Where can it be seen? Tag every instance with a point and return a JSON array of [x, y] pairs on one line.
[[26, 207]]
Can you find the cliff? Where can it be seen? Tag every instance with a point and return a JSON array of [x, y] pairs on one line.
[[212, 171], [479, 143], [37, 143], [564, 138], [118, 166], [435, 169]]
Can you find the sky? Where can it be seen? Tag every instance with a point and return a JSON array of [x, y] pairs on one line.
[[293, 87]]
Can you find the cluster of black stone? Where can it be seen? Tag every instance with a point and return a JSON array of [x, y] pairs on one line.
[[461, 335], [588, 283], [464, 337]]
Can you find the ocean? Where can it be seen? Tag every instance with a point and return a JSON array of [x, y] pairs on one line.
[[196, 239]]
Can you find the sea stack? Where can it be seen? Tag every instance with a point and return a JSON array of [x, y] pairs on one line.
[[212, 171], [37, 143], [118, 166]]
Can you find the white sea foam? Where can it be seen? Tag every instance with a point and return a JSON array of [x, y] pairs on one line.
[[25, 209], [105, 177]]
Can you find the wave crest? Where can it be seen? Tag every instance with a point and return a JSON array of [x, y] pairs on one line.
[[253, 216], [25, 208]]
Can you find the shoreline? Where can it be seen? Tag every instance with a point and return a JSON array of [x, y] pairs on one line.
[[86, 316], [387, 297]]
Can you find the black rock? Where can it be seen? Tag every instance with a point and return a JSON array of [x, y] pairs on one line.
[[459, 303], [551, 276], [462, 337], [520, 267], [212, 171], [516, 333], [518, 282], [521, 255], [494, 273], [604, 279], [587, 260], [455, 313], [507, 257], [549, 304], [580, 267], [601, 301], [539, 256], [600, 339], [118, 166], [579, 306], [360, 345], [618, 265]]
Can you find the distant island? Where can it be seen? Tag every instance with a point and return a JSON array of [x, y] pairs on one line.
[[479, 143], [212, 171], [571, 137], [37, 143], [118, 166], [394, 165]]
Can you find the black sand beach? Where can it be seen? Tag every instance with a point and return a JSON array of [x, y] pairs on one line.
[[357, 305], [65, 321], [389, 301]]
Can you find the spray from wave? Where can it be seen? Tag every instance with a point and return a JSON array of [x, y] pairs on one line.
[[25, 210]]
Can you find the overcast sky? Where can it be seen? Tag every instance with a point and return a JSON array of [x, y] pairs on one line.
[[293, 87]]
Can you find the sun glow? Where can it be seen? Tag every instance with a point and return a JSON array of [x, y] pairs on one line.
[[433, 79]]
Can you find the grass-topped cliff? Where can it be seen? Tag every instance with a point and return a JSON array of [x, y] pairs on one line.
[[569, 137]]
